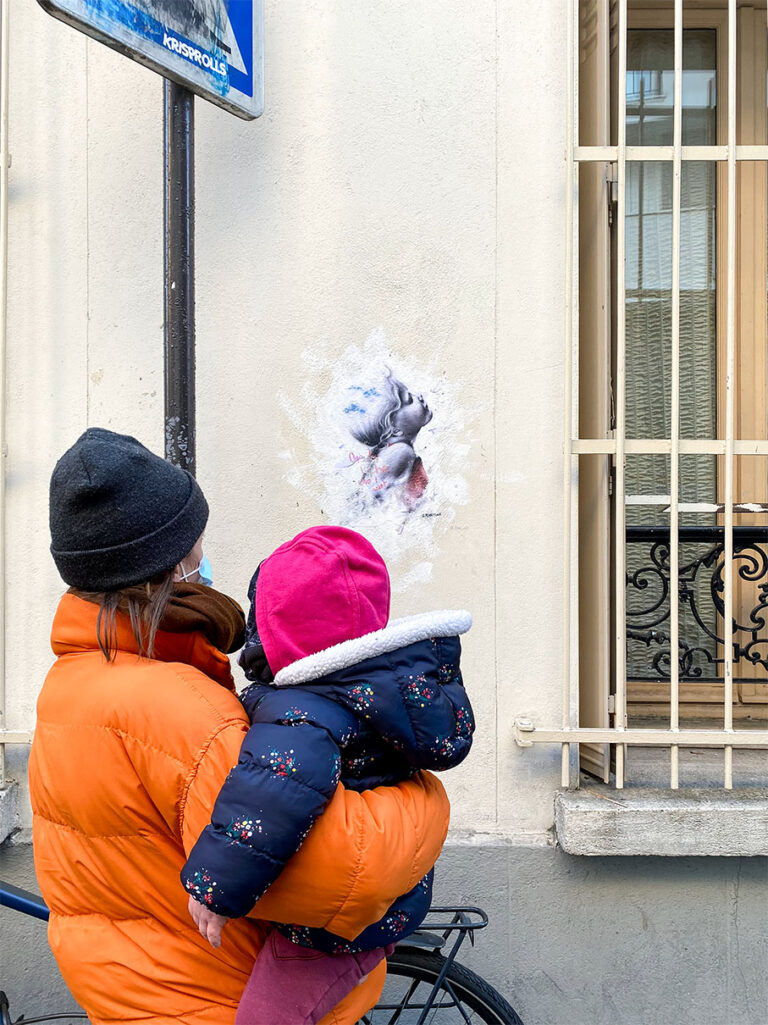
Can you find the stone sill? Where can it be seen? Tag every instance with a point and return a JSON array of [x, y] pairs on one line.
[[9, 812], [599, 821]]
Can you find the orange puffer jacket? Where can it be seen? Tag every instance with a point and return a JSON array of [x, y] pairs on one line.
[[126, 764]]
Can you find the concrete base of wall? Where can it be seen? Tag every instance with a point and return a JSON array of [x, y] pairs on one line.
[[619, 940], [9, 813], [600, 820], [572, 941]]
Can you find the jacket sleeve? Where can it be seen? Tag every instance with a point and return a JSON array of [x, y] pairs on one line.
[[362, 853], [434, 723], [282, 782]]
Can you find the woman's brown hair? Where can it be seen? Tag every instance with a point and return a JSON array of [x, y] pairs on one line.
[[145, 605]]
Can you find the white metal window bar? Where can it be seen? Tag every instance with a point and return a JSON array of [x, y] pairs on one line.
[[526, 733]]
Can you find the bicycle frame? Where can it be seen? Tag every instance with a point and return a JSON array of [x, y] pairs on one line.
[[22, 900], [30, 904]]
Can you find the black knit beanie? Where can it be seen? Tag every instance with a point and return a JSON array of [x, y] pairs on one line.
[[119, 513]]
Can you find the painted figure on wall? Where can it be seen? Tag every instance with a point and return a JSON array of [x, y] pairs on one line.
[[362, 443], [389, 426]]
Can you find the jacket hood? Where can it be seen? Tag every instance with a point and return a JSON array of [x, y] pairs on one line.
[[74, 631], [400, 633], [326, 586]]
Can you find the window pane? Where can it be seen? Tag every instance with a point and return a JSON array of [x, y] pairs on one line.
[[648, 254], [650, 87]]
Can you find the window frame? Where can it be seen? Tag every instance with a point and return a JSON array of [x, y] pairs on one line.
[[597, 322], [619, 736]]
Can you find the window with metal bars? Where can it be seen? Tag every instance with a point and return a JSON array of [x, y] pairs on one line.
[[666, 471]]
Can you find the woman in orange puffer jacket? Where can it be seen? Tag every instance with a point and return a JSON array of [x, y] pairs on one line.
[[138, 726]]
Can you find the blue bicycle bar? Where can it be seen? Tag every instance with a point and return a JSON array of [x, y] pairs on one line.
[[22, 900]]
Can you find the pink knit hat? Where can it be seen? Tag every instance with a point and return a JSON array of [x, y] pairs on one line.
[[327, 585]]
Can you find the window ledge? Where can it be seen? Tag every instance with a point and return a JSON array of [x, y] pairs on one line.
[[601, 821], [9, 817]]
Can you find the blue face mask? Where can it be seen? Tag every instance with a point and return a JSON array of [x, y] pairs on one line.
[[203, 571]]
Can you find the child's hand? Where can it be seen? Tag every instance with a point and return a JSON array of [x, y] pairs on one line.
[[208, 922]]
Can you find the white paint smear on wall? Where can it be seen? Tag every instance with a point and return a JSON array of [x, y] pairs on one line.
[[338, 470]]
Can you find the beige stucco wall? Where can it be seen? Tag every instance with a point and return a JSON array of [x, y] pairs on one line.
[[408, 175]]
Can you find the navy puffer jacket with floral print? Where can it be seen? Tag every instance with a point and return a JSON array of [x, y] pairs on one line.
[[367, 722]]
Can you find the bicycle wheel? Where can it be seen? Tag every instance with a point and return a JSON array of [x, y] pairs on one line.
[[462, 998]]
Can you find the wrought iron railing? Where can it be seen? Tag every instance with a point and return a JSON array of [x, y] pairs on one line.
[[701, 593]]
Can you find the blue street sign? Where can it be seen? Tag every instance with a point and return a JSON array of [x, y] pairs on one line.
[[214, 47]]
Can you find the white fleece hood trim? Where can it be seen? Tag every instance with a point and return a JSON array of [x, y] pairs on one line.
[[396, 634]]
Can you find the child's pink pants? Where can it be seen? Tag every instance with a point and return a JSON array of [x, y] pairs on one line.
[[292, 985]]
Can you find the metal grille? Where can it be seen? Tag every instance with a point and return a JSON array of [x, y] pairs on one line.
[[673, 446]]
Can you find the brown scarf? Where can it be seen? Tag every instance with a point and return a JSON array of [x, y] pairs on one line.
[[192, 608]]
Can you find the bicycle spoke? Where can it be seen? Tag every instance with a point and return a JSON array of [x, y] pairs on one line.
[[457, 1002], [404, 1003], [440, 1005]]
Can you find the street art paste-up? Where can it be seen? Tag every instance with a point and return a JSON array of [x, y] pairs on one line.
[[388, 422], [386, 448]]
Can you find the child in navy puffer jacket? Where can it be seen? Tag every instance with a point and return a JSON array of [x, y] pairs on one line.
[[338, 694]]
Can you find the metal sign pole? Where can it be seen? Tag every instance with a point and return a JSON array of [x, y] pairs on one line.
[[214, 49], [179, 250]]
